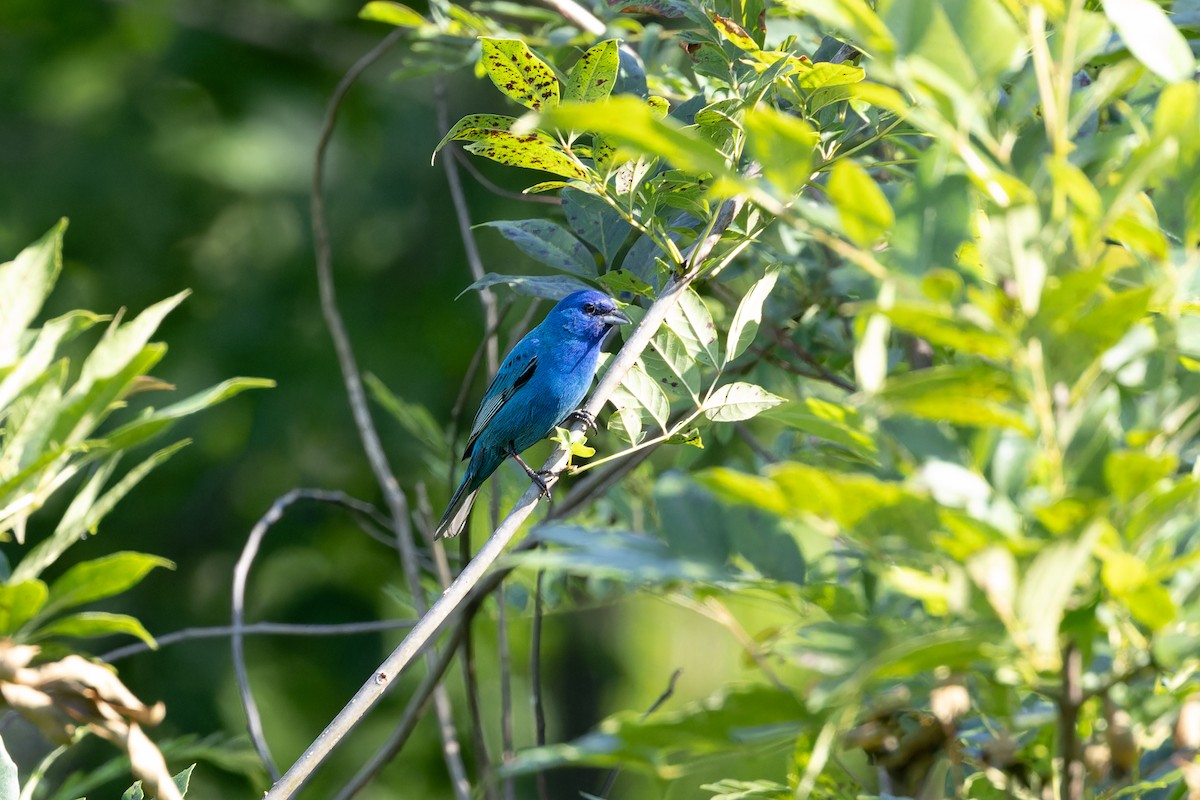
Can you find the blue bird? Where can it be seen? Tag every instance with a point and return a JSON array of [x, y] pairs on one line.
[[541, 383]]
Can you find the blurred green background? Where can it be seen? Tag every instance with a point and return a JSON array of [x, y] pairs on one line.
[[178, 139]]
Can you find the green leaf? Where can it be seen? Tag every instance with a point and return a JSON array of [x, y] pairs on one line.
[[783, 145], [692, 323], [100, 578], [741, 487], [669, 360], [1046, 589], [154, 422], [733, 33], [1131, 473], [1148, 33], [617, 281], [551, 287], [634, 125], [25, 282], [413, 417], [123, 343], [20, 601], [639, 390], [1130, 581], [91, 624], [976, 395], [529, 151], [944, 329], [737, 401], [864, 210], [181, 780], [595, 222], [619, 555], [594, 74], [739, 719], [34, 363], [392, 13], [476, 128], [548, 243], [729, 789], [518, 73], [839, 424], [85, 512], [749, 315]]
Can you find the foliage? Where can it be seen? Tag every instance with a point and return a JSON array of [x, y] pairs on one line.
[[955, 329], [60, 423]]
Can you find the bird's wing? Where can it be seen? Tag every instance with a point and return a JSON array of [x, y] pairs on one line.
[[514, 373]]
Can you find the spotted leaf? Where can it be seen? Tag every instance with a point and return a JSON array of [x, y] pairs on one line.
[[530, 151], [594, 74], [520, 74]]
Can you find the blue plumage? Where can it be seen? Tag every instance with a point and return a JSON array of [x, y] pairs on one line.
[[542, 380]]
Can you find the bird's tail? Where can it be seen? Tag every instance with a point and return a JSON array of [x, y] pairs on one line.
[[455, 518]]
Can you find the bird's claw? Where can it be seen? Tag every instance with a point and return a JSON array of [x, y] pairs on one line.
[[586, 417], [537, 476]]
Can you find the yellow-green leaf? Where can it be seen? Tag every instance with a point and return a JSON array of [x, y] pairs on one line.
[[783, 145], [530, 151], [518, 73], [865, 212], [594, 74], [476, 128], [391, 13]]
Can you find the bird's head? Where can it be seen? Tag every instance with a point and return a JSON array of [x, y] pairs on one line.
[[587, 314]]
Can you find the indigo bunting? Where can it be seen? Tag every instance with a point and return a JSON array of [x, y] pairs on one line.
[[541, 383]]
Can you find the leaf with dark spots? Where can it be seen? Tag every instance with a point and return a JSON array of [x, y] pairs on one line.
[[532, 152], [475, 128], [518, 73], [593, 75]]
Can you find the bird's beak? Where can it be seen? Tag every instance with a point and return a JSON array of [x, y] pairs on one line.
[[615, 318]]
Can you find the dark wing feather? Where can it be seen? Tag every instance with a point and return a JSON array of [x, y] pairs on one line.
[[514, 373]]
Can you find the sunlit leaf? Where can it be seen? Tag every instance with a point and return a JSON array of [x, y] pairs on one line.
[[20, 601], [594, 74], [518, 73], [392, 13], [25, 282], [100, 578], [1148, 33], [864, 210], [783, 146], [530, 151], [90, 624], [749, 315], [738, 401], [476, 128]]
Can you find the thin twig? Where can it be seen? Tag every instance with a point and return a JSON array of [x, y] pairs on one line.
[[469, 166], [577, 15], [662, 698], [1068, 719], [504, 656], [241, 572], [535, 677], [352, 379], [256, 629]]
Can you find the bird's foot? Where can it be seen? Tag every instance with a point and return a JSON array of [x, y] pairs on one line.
[[537, 476], [586, 417]]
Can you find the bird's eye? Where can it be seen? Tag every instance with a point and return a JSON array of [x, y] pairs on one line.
[[589, 308]]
